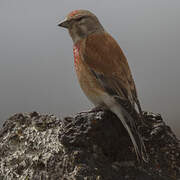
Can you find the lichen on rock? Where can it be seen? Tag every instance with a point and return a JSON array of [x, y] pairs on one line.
[[89, 146]]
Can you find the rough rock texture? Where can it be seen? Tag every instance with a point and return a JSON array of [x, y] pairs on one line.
[[89, 146]]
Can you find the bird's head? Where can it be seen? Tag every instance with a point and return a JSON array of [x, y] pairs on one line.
[[80, 24]]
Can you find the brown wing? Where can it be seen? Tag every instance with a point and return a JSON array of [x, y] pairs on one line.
[[108, 63]]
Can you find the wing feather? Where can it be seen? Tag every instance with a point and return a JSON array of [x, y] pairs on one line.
[[108, 63]]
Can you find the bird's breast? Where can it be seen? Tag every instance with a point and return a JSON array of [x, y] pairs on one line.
[[87, 81], [76, 56]]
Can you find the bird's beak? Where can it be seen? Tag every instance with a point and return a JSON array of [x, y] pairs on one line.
[[64, 23]]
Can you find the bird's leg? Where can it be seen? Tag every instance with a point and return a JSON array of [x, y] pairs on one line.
[[97, 108]]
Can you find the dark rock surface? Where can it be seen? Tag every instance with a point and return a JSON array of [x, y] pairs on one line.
[[89, 146]]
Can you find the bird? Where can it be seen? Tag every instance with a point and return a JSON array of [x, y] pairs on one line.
[[104, 74]]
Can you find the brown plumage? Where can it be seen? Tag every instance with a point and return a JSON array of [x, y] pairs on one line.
[[103, 72]]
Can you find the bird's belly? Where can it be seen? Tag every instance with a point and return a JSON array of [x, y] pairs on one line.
[[89, 84]]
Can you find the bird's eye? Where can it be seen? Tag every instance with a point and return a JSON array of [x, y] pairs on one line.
[[79, 19]]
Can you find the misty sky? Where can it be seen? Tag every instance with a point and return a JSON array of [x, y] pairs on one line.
[[36, 59]]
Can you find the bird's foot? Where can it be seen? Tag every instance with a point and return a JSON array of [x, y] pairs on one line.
[[97, 109]]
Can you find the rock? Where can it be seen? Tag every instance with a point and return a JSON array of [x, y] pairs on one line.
[[89, 146]]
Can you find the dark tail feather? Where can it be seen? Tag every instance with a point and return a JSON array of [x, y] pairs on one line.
[[139, 140], [132, 130]]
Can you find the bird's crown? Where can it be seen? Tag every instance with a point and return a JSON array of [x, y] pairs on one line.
[[78, 13]]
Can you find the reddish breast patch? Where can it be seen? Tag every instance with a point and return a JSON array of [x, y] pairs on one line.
[[76, 56]]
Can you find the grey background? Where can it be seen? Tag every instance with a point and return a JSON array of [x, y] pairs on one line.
[[36, 62]]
